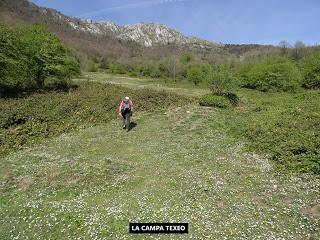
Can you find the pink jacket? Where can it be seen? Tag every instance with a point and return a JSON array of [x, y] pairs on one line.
[[121, 105]]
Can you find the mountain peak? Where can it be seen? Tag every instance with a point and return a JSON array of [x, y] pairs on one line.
[[146, 34]]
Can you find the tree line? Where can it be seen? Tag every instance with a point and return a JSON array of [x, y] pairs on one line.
[[31, 59], [285, 70]]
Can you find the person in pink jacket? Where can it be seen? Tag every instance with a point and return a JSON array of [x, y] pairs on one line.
[[125, 107]]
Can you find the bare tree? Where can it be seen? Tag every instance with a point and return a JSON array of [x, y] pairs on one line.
[[284, 47], [173, 66]]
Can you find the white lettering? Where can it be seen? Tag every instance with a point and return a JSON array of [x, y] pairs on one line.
[[152, 228], [175, 228], [135, 228]]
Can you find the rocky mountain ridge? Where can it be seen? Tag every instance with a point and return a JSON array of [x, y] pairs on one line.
[[147, 34], [106, 38]]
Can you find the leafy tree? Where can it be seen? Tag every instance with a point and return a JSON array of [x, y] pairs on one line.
[[30, 56], [14, 66], [195, 74], [221, 79], [164, 69], [186, 58], [115, 67]]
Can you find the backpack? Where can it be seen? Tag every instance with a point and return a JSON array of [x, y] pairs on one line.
[[126, 105]]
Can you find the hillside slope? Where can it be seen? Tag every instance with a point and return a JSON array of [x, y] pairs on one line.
[[110, 40], [146, 34], [24, 12]]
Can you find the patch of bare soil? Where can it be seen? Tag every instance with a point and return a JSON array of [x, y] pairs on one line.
[[289, 199], [313, 211], [25, 183]]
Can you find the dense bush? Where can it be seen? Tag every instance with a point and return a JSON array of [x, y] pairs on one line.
[[283, 126], [273, 74], [210, 100], [310, 67], [221, 80], [32, 58], [117, 68], [195, 74]]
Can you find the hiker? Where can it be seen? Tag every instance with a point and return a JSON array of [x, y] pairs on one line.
[[125, 107]]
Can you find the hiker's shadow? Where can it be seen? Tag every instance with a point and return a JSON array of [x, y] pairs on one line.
[[132, 126]]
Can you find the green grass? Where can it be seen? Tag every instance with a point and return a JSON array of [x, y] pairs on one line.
[[285, 127], [38, 116], [171, 167], [180, 87], [180, 163]]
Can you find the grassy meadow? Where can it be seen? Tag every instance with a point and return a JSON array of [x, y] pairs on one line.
[[69, 171]]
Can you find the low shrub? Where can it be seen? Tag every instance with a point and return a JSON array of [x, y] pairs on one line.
[[233, 98], [211, 100]]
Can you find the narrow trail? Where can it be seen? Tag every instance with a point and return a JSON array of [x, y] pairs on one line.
[[173, 166]]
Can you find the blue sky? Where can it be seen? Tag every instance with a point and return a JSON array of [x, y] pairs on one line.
[[226, 21]]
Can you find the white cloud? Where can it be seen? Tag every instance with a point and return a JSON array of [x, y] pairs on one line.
[[133, 4]]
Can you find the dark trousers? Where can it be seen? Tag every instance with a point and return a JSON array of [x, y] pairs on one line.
[[124, 112]]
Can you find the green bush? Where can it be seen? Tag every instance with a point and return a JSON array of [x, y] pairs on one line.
[[92, 66], [31, 55], [283, 126], [233, 98], [310, 68], [242, 70], [195, 74], [116, 68], [210, 100], [273, 74], [220, 79]]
